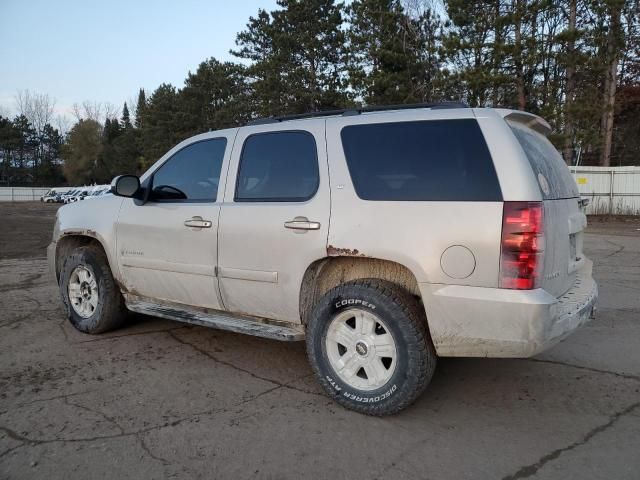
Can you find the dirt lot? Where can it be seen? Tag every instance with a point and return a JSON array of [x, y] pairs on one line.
[[25, 229], [159, 399]]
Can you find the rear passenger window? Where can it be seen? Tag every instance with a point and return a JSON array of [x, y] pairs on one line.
[[278, 167], [439, 160], [553, 176]]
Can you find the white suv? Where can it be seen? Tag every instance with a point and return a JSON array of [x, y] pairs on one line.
[[384, 237]]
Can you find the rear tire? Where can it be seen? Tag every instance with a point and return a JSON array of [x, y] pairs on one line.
[[369, 346], [91, 297]]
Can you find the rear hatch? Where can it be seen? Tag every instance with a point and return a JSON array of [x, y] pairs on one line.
[[564, 218]]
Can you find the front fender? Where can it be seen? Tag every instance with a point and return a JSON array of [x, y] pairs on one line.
[[96, 220]]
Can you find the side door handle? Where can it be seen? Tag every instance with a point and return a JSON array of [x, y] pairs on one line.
[[197, 222], [302, 223]]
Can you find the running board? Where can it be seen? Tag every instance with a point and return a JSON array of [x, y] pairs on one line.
[[215, 319]]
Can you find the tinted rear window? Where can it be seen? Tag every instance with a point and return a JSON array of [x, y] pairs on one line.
[[553, 176], [278, 167], [438, 160]]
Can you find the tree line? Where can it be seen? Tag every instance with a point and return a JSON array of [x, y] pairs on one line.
[[574, 62], [30, 144]]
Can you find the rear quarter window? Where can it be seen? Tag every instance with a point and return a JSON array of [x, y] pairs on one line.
[[552, 175], [433, 160]]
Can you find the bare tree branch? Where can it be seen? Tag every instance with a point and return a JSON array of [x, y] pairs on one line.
[[63, 124], [111, 111], [37, 107], [97, 111]]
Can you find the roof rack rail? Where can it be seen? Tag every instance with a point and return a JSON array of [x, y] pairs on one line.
[[355, 111]]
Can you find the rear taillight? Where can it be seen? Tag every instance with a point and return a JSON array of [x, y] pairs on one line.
[[522, 245]]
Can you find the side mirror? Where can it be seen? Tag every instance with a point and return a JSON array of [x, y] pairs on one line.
[[125, 186]]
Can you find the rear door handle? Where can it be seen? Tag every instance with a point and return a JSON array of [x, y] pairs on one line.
[[302, 223], [197, 222]]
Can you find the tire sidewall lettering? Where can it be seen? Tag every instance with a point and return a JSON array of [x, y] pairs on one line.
[[375, 399], [352, 302], [333, 383]]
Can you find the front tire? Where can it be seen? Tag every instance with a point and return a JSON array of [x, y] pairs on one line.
[[92, 299], [369, 346]]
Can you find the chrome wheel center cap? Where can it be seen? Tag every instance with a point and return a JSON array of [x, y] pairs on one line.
[[362, 348], [85, 289]]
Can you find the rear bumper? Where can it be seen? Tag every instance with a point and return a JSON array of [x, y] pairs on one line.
[[491, 322]]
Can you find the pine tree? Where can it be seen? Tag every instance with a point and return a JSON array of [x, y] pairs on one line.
[[10, 140], [161, 125], [122, 154], [468, 47], [298, 55], [257, 45], [140, 108], [126, 119], [393, 57], [24, 152], [377, 59], [215, 96], [51, 141], [104, 169]]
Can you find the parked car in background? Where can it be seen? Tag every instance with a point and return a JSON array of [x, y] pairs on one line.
[[70, 197], [53, 194], [65, 196], [385, 238], [79, 195], [98, 191]]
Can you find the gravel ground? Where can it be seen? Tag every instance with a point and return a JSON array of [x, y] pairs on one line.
[[158, 399]]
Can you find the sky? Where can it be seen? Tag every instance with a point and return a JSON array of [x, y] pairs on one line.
[[104, 51]]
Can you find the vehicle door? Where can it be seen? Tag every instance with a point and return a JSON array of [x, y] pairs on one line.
[[275, 217], [167, 247]]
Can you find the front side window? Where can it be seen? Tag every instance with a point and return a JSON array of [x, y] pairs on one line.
[[278, 167], [191, 174], [433, 160]]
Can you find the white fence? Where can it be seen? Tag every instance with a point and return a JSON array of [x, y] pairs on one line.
[[612, 190], [21, 194]]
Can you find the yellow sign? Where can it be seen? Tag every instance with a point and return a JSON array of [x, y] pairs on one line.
[[582, 180]]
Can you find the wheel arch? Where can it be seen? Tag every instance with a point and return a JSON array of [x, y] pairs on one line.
[[69, 242], [329, 272]]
